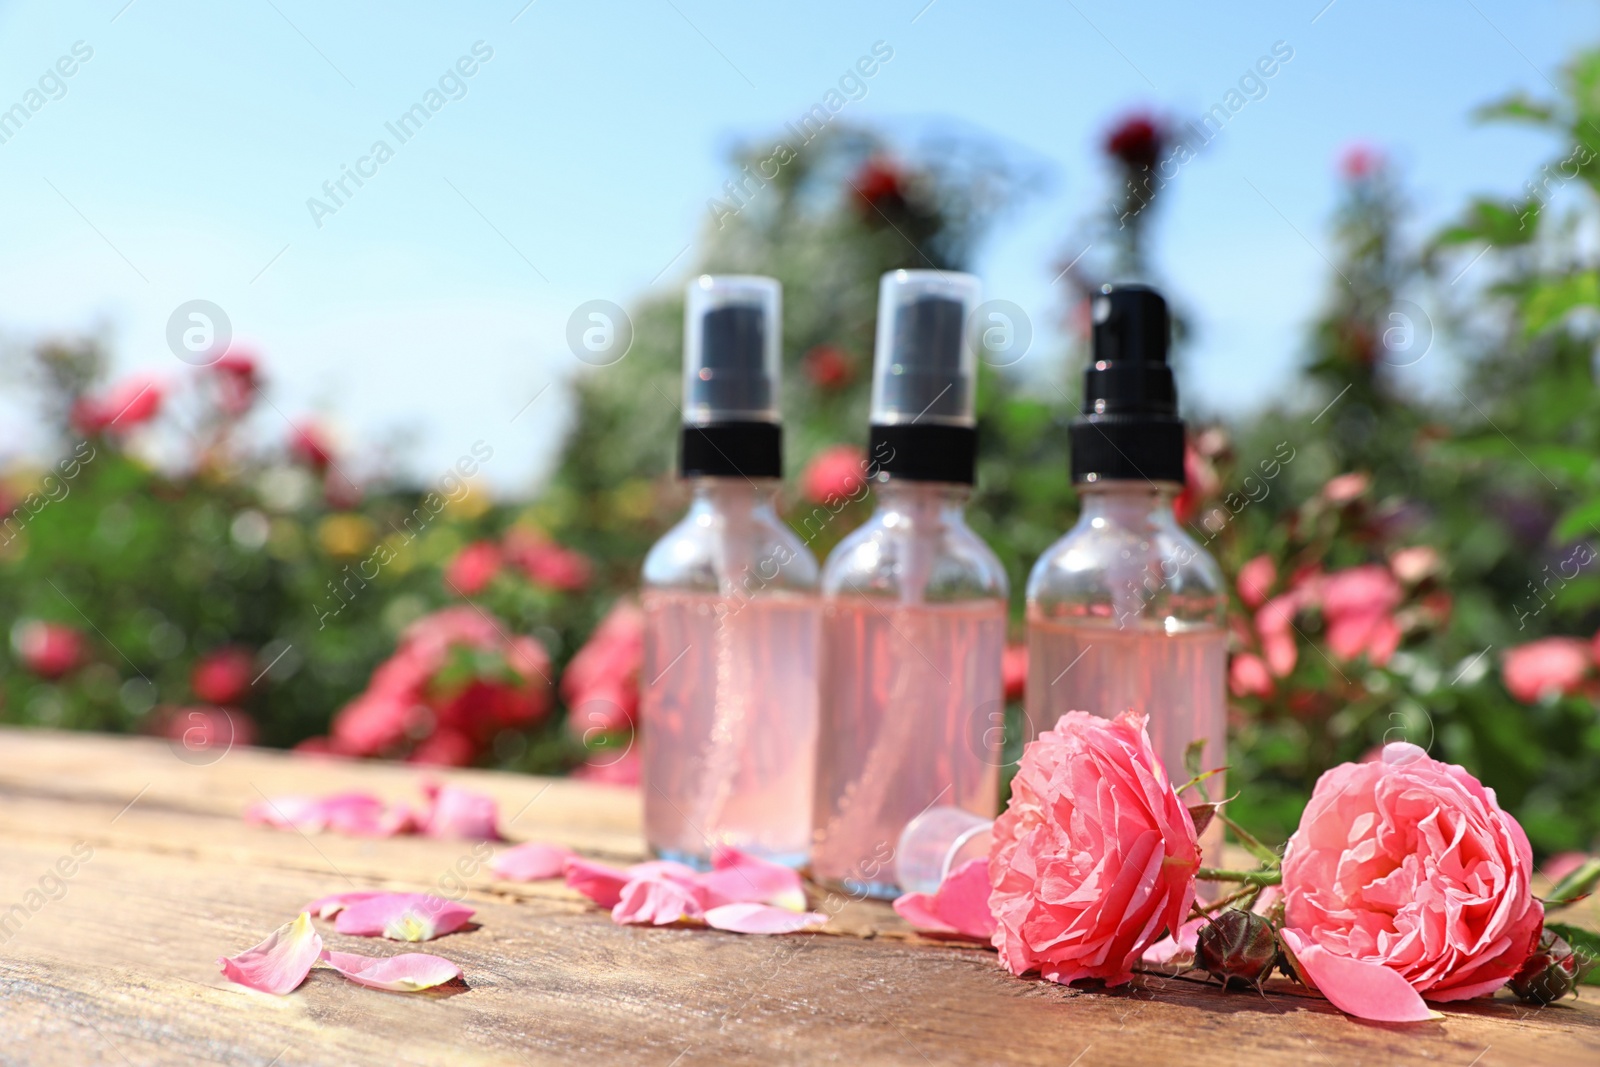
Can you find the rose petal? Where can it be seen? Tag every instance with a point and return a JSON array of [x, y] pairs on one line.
[[531, 862], [288, 813], [657, 901], [963, 900], [749, 918], [598, 882], [739, 878], [918, 909], [1179, 951], [455, 812], [361, 814], [403, 917], [1365, 990], [405, 973], [329, 906], [281, 962]]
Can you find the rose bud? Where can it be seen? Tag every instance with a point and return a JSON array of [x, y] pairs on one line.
[[1550, 972], [1237, 944]]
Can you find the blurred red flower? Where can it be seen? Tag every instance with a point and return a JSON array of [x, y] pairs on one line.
[[221, 677], [48, 649], [1360, 160], [879, 186], [311, 444], [547, 563], [1137, 140], [428, 688], [828, 367], [1200, 484], [834, 473], [1550, 665], [601, 683], [123, 407], [1014, 671], [236, 377], [473, 568]]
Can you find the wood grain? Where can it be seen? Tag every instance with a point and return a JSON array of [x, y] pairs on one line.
[[121, 968]]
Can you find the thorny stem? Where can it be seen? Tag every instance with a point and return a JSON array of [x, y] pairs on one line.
[[1254, 878]]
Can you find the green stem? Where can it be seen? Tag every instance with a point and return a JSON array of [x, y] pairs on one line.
[[1218, 874]]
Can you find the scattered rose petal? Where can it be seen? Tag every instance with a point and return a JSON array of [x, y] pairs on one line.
[[1176, 952], [281, 962], [455, 812], [761, 919], [657, 901], [1361, 988], [599, 883], [531, 862], [405, 973], [739, 878], [360, 814], [329, 906], [402, 917], [960, 906]]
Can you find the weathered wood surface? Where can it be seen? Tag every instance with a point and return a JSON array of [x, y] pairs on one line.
[[121, 968]]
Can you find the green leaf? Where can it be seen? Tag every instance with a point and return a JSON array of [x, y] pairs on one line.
[[1548, 303], [1579, 520], [1191, 757], [1586, 943], [1575, 886], [1516, 108], [1493, 222]]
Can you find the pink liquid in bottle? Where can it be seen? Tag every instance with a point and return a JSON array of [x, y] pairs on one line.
[[729, 714], [1177, 679], [908, 692]]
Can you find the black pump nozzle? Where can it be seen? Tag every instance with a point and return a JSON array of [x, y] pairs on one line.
[[1130, 428]]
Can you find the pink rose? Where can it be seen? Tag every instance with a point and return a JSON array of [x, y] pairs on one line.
[[1248, 676], [473, 568], [1358, 605], [123, 407], [1551, 665], [546, 563], [1095, 856], [1412, 565], [1405, 880], [834, 474], [1346, 487], [1275, 624], [1256, 579], [223, 676], [48, 649]]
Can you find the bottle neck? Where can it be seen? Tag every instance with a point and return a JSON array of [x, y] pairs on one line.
[[923, 502], [733, 496], [1127, 502]]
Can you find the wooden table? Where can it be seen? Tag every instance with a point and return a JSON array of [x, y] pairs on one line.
[[120, 967]]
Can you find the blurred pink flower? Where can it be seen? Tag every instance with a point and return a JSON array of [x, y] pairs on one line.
[[1358, 605], [222, 676], [48, 649], [123, 407], [1200, 483], [473, 568], [1256, 579], [834, 474], [602, 679], [1359, 161], [1346, 488], [547, 563], [311, 444], [1248, 676], [236, 378], [1552, 665], [1275, 625], [1412, 565]]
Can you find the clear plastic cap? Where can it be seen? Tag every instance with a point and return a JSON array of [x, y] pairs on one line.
[[925, 368], [732, 344]]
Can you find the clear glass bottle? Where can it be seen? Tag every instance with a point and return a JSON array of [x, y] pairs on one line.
[[1127, 610], [728, 719], [914, 603]]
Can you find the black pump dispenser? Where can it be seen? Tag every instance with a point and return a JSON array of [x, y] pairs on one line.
[[1130, 428], [731, 378]]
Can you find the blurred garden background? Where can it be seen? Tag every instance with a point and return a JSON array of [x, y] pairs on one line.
[[1408, 562]]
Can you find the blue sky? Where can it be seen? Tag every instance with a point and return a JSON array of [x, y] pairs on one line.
[[577, 162]]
